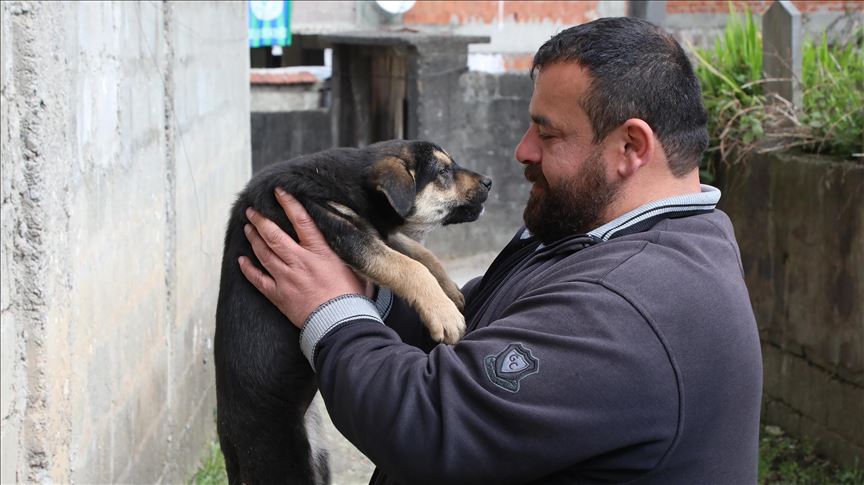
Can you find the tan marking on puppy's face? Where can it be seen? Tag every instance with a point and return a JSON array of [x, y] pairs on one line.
[[443, 157], [453, 194]]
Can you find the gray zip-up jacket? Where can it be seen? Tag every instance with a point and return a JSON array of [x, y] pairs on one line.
[[629, 354]]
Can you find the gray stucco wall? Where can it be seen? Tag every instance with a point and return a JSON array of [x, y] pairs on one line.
[[125, 136]]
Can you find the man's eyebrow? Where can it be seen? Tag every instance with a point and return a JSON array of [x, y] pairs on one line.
[[542, 121]]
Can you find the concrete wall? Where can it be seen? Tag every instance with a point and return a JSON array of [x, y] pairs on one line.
[[278, 136], [800, 225], [286, 97], [125, 137]]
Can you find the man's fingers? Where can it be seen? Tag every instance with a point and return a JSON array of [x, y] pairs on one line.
[[272, 262], [308, 233], [258, 278], [271, 234]]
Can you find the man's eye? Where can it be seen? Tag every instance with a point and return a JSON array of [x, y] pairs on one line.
[[544, 136]]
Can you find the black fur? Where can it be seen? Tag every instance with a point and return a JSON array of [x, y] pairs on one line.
[[264, 384]]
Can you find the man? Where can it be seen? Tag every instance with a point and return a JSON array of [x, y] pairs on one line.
[[610, 341]]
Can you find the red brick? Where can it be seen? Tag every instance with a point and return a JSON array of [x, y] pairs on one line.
[[280, 76], [518, 62], [760, 6], [715, 6], [441, 13]]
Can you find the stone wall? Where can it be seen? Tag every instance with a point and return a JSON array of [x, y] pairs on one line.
[[125, 136], [800, 225]]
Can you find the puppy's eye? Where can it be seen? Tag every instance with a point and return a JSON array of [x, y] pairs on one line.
[[444, 170]]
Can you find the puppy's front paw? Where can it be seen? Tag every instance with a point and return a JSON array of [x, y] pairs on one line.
[[446, 324], [455, 294]]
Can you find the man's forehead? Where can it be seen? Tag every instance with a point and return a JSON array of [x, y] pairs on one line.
[[556, 112], [558, 92]]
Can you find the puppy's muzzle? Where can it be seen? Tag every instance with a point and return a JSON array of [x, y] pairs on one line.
[[472, 205]]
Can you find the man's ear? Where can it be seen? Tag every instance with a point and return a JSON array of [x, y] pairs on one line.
[[390, 177], [637, 146]]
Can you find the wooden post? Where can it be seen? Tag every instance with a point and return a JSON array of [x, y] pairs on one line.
[[781, 51]]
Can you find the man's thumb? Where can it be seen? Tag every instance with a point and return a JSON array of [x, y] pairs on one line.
[[308, 233]]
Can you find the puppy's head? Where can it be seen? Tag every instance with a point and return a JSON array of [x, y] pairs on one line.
[[425, 186]]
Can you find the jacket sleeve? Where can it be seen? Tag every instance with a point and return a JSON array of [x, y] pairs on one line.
[[592, 378], [403, 319]]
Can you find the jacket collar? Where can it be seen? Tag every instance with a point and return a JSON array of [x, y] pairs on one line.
[[644, 217]]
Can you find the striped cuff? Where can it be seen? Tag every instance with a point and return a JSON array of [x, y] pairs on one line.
[[384, 301], [330, 315]]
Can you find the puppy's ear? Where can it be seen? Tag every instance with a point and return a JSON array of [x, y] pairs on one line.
[[391, 177]]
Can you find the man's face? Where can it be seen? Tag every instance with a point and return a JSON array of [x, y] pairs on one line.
[[571, 189]]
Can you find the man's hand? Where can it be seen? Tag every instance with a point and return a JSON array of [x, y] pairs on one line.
[[302, 275]]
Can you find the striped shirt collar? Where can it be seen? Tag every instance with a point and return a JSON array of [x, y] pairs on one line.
[[647, 215]]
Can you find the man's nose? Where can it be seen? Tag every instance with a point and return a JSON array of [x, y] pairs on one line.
[[527, 151]]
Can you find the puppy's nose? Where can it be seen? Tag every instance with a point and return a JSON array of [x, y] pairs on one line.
[[487, 182]]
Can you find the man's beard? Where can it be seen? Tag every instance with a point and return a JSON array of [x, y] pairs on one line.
[[574, 207]]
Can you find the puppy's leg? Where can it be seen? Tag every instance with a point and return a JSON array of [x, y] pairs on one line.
[[414, 282], [417, 251], [406, 277]]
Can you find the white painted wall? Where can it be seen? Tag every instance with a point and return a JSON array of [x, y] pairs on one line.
[[125, 137]]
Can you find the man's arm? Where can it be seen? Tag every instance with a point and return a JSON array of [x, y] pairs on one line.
[[584, 386], [569, 374]]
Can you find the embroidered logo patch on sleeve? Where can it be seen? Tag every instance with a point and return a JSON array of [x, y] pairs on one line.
[[510, 366]]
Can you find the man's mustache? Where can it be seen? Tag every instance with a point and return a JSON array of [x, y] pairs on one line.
[[534, 174]]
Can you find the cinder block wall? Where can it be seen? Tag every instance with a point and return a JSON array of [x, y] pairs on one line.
[[125, 136], [800, 225]]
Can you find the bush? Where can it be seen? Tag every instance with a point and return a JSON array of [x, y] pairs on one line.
[[833, 80], [741, 117]]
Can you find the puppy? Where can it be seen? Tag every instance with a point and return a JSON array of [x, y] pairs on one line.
[[372, 205]]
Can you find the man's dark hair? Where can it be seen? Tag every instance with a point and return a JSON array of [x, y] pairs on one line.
[[636, 70]]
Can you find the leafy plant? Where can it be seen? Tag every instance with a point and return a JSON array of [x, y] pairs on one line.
[[833, 81], [731, 79], [742, 119]]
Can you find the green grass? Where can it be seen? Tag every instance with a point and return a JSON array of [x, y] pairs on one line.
[[212, 469], [783, 460]]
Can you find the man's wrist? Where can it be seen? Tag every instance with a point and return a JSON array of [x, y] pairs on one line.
[[333, 313]]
